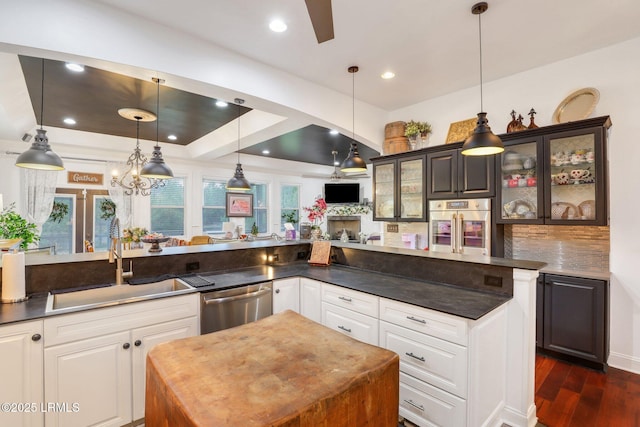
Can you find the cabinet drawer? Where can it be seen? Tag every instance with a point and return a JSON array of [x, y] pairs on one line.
[[355, 325], [350, 299], [429, 322], [101, 321], [426, 405], [438, 362]]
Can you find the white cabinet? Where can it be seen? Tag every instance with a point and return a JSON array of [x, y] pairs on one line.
[[311, 299], [21, 372], [97, 358], [286, 295], [351, 312]]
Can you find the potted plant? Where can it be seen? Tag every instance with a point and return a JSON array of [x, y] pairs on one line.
[[107, 209], [413, 129], [290, 216], [316, 213], [13, 226]]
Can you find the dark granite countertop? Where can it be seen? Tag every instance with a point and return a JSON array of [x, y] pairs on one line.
[[458, 301]]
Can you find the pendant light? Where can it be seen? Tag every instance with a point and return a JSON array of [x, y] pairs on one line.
[[238, 182], [482, 141], [40, 156], [353, 162], [156, 168]]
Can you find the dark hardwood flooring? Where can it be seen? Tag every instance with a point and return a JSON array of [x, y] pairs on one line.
[[570, 395]]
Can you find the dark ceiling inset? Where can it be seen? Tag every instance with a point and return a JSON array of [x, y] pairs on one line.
[[310, 144], [93, 98]]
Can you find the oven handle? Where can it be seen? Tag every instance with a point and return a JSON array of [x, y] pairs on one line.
[[237, 297], [453, 233], [460, 229]]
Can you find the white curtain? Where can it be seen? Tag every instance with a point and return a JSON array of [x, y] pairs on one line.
[[40, 191], [122, 201]]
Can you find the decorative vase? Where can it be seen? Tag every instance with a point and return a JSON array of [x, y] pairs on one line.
[[413, 140], [424, 137], [316, 234]]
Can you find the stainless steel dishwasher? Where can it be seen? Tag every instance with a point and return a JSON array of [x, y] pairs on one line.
[[233, 307]]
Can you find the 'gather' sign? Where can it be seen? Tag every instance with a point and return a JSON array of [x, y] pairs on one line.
[[84, 178]]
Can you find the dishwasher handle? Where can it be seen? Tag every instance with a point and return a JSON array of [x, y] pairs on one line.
[[215, 300]]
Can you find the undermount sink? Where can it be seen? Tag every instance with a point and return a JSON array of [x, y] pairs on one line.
[[113, 295]]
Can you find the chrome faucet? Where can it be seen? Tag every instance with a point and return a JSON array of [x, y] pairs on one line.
[[115, 252], [276, 236]]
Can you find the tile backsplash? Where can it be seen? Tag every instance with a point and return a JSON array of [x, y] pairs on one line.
[[576, 248], [400, 238]]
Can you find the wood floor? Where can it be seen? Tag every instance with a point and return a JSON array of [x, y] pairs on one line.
[[570, 395]]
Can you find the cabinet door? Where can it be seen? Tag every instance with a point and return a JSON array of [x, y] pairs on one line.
[[412, 189], [442, 175], [540, 311], [21, 372], [384, 191], [520, 182], [93, 373], [286, 295], [575, 178], [143, 340], [575, 317], [476, 176], [311, 299]]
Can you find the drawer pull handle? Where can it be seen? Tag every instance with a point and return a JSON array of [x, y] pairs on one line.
[[344, 329], [416, 319], [345, 299], [410, 402], [420, 358]]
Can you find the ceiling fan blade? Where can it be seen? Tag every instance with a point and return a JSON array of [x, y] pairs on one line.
[[321, 18]]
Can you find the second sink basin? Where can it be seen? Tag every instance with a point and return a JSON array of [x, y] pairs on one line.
[[115, 294]]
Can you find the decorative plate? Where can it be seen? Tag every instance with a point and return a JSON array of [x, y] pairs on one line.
[[564, 210], [577, 106], [518, 208], [588, 209]]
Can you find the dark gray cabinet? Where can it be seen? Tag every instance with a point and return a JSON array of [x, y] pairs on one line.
[[451, 175], [573, 320]]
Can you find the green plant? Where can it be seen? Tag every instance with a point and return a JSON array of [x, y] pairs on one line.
[[58, 212], [290, 216], [107, 209], [254, 229], [13, 226], [414, 128]]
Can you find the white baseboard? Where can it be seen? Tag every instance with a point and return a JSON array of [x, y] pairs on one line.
[[624, 362]]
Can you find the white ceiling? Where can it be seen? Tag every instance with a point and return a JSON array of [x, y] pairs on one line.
[[431, 45]]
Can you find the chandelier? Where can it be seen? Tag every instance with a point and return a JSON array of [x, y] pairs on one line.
[[131, 181]]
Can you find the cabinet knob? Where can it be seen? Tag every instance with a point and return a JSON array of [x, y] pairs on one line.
[[277, 291], [36, 337], [126, 346], [137, 343]]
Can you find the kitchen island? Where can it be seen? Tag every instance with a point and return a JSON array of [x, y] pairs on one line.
[[478, 291]]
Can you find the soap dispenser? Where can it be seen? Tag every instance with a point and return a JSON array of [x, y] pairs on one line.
[[344, 237]]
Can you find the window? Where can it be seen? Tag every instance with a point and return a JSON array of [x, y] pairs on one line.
[[289, 204], [167, 208], [60, 234], [214, 210], [213, 205]]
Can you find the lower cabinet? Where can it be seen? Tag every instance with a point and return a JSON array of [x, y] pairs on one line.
[[575, 313], [311, 299], [95, 361], [286, 295], [21, 372], [350, 312]]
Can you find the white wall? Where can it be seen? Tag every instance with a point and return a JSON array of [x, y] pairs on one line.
[[614, 71]]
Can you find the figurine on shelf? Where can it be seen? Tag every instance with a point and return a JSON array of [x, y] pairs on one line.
[[532, 124], [520, 126], [511, 127]]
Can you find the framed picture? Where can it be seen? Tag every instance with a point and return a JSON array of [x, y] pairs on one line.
[[460, 131], [239, 204]]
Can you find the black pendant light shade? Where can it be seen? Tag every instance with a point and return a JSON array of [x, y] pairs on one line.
[[353, 162], [482, 141], [238, 182], [156, 168], [40, 156]]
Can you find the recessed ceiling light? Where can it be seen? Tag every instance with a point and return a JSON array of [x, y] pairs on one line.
[[388, 75], [221, 103], [265, 151], [172, 137], [69, 121], [277, 26], [333, 132], [75, 67]]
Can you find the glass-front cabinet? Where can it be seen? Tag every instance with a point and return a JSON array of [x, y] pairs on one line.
[[399, 190], [555, 177]]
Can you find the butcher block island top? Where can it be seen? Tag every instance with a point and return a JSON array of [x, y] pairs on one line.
[[283, 370]]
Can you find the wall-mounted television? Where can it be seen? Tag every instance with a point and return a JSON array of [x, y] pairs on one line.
[[342, 193]]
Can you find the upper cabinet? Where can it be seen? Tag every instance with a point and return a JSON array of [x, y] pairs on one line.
[[555, 176], [451, 175], [398, 188]]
